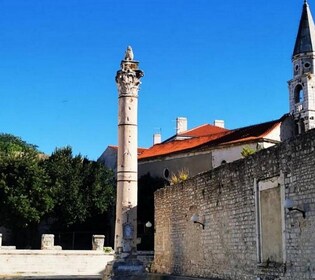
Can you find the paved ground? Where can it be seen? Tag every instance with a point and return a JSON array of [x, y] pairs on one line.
[[144, 277], [164, 277]]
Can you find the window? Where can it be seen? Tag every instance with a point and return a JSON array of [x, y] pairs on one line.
[[166, 173], [298, 94], [307, 65]]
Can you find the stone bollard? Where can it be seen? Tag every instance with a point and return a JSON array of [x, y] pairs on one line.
[[98, 242], [48, 242]]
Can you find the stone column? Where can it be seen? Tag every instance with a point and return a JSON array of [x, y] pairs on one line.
[[128, 82]]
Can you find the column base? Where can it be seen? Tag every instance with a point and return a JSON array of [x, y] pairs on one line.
[[121, 269]]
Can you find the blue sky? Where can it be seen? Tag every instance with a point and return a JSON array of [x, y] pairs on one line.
[[202, 59]]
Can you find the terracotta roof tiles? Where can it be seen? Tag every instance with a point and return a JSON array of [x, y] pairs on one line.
[[178, 145], [203, 130], [224, 137]]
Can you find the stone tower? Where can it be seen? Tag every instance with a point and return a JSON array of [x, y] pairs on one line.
[[128, 82], [302, 86]]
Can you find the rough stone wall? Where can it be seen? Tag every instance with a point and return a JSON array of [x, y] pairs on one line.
[[226, 201]]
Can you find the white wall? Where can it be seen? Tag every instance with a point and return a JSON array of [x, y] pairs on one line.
[[192, 162], [274, 134], [52, 262], [229, 154]]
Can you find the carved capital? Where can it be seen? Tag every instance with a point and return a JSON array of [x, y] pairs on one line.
[[128, 81]]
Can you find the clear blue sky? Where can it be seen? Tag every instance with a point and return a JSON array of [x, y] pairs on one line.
[[203, 59]]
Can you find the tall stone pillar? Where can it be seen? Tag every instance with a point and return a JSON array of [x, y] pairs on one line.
[[128, 82]]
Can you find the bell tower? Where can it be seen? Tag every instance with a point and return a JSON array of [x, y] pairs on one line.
[[302, 86]]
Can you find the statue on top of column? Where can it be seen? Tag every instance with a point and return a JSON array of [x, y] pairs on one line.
[[129, 54]]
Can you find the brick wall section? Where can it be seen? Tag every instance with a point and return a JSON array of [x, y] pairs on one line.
[[225, 199]]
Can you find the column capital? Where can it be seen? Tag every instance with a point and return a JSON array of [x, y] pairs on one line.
[[128, 77]]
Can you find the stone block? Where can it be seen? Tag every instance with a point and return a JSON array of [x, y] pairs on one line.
[[8, 247], [48, 242], [98, 242]]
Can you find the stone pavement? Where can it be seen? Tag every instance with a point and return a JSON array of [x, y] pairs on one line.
[[138, 277], [165, 277]]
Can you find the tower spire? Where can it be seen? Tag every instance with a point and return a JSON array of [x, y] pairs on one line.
[[305, 39], [302, 86]]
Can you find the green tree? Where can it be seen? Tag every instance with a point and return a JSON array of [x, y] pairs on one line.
[[10, 144], [82, 188], [34, 187], [25, 196]]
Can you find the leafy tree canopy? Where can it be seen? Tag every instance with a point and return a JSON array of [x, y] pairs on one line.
[[81, 187], [25, 196], [66, 187], [10, 144]]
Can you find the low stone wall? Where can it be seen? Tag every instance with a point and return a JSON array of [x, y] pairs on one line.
[[240, 204], [14, 263], [51, 260]]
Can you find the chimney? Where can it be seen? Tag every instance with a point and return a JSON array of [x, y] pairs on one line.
[[157, 138], [219, 123], [181, 125]]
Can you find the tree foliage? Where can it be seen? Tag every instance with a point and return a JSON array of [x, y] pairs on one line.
[[25, 197], [65, 187], [81, 187], [10, 144]]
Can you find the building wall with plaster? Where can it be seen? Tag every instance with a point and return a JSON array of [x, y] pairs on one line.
[[248, 234], [192, 162], [232, 153], [195, 162]]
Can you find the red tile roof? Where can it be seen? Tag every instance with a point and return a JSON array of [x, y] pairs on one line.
[[141, 150], [248, 133], [203, 130], [178, 145], [224, 137]]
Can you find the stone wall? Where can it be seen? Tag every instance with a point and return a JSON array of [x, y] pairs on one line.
[[52, 261], [17, 263], [232, 203]]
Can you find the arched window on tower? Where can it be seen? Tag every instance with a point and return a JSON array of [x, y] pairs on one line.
[[298, 94]]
